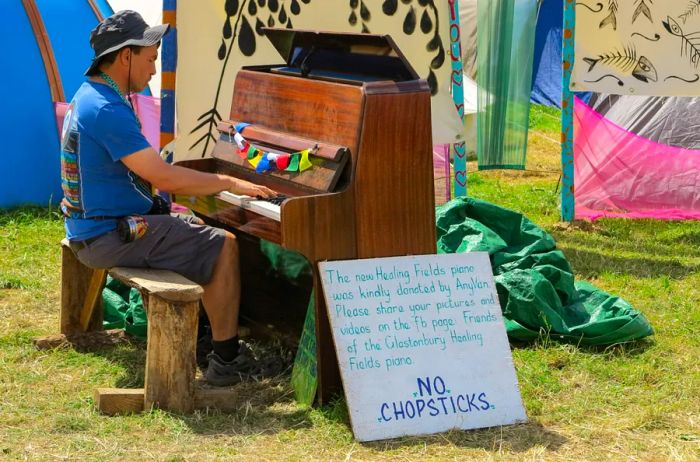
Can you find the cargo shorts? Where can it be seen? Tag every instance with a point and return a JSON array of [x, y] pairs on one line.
[[175, 242]]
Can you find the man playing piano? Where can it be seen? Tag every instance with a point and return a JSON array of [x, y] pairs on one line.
[[112, 218]]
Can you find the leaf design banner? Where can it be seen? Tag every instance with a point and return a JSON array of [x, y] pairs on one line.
[[640, 47], [218, 37]]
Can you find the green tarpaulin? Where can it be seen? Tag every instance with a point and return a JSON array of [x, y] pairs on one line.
[[123, 308], [534, 280]]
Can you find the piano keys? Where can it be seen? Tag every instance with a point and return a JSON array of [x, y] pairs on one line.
[[357, 101], [266, 208]]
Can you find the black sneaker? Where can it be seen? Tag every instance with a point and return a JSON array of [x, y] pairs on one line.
[[221, 373]]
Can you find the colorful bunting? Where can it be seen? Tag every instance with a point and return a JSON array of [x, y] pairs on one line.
[[253, 152], [269, 161]]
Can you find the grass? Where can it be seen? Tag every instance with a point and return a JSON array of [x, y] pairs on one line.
[[633, 402]]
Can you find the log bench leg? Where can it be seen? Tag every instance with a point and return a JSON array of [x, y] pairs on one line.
[[170, 356], [81, 289]]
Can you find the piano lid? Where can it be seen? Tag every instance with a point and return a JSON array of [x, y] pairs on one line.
[[370, 57]]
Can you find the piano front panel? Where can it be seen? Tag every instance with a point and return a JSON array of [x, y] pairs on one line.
[[394, 198], [313, 109], [322, 228]]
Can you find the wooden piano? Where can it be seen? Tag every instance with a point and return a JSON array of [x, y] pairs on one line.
[[354, 98]]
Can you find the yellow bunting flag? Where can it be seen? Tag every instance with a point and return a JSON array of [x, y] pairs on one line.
[[255, 160], [304, 163]]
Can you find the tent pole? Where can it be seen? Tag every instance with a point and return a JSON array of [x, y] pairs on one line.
[[46, 50], [567, 112], [459, 149], [168, 71]]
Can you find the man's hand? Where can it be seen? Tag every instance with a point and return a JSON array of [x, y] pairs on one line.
[[242, 187], [180, 180]]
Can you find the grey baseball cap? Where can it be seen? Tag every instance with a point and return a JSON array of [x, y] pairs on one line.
[[122, 29]]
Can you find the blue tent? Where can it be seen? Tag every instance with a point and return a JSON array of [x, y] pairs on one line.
[[48, 50], [546, 73]]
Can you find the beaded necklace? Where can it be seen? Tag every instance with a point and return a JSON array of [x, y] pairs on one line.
[[115, 87]]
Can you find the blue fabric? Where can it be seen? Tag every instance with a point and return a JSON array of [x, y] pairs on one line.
[[70, 43], [31, 169], [167, 110], [546, 74], [168, 61], [240, 126], [98, 131]]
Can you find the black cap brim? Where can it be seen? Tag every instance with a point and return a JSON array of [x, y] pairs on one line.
[[151, 36]]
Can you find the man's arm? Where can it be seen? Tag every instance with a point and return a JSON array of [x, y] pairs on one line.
[[180, 180]]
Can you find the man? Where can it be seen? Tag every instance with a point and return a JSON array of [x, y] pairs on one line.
[[106, 168]]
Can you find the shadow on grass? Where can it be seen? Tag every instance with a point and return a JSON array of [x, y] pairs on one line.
[[621, 350], [618, 350], [513, 438], [590, 264], [257, 416], [690, 238], [261, 406], [128, 357], [667, 248], [267, 407]]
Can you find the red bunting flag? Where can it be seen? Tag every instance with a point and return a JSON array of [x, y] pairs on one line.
[[283, 162]]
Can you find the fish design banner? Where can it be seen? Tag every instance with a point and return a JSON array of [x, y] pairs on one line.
[[640, 47]]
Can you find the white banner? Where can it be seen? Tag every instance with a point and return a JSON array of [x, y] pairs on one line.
[[638, 47]]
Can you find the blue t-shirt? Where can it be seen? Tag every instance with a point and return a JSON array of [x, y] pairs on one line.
[[98, 130]]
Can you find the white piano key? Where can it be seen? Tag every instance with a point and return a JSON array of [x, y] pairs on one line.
[[264, 208]]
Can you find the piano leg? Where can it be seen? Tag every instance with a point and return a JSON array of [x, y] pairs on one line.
[[328, 373]]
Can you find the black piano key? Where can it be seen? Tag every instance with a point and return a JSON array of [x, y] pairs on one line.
[[277, 200]]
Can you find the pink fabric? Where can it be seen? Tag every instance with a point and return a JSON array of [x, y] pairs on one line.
[[147, 108], [441, 173], [620, 174], [60, 108]]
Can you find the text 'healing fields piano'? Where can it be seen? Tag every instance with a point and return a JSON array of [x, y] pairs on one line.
[[358, 105]]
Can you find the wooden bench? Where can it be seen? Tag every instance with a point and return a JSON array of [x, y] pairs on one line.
[[172, 305]]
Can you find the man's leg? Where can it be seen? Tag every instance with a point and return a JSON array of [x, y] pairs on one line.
[[222, 295], [221, 300]]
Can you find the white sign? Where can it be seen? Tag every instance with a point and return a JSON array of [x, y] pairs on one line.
[[421, 344]]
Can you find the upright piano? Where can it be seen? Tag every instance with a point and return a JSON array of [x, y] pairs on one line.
[[358, 104]]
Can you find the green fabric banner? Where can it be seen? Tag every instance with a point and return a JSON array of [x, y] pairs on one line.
[[505, 50]]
